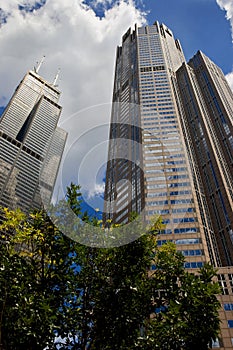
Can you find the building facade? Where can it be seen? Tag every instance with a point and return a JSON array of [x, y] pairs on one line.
[[171, 146], [207, 102], [31, 144]]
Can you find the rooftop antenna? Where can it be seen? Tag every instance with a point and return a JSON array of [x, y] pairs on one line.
[[56, 77], [39, 64]]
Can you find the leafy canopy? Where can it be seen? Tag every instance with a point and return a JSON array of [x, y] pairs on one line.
[[58, 294]]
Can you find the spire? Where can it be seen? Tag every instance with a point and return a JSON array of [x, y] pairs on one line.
[[56, 77], [39, 64]]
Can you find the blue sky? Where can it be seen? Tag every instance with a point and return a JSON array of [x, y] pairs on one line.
[[199, 25], [80, 37]]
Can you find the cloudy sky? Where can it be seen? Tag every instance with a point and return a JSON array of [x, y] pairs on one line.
[[80, 38]]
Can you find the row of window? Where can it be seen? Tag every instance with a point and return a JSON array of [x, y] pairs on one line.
[[179, 155], [161, 113], [180, 241], [173, 177], [193, 265], [160, 121], [187, 265], [165, 194], [156, 116], [176, 162], [180, 230], [193, 252], [164, 185], [173, 211], [180, 220]]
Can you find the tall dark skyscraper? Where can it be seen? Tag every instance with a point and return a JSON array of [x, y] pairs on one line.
[[207, 102], [29, 142], [171, 151]]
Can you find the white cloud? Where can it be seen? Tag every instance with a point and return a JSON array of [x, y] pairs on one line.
[[97, 190], [229, 78], [73, 38], [227, 5], [8, 7], [102, 2]]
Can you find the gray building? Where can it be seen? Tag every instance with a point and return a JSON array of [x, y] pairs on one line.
[[31, 144]]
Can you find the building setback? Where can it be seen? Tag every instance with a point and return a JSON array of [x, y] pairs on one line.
[[170, 150], [31, 144]]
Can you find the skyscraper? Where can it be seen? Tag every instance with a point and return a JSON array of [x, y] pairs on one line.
[[30, 142], [147, 151], [171, 151], [207, 102]]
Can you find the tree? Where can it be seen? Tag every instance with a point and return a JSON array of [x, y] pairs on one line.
[[36, 268], [185, 315], [92, 298], [124, 298]]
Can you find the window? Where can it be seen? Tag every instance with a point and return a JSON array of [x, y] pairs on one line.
[[222, 283], [188, 241], [196, 252], [154, 203], [183, 210], [165, 232], [230, 323], [230, 276], [215, 343], [186, 230], [228, 307], [193, 265], [163, 241], [179, 220], [158, 211]]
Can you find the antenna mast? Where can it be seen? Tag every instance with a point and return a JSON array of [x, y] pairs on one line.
[[36, 69], [56, 77]]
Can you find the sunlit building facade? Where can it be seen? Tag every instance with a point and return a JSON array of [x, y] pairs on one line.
[[171, 152], [149, 168], [31, 144]]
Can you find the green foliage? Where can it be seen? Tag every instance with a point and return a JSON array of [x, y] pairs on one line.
[[91, 298], [185, 305], [34, 265]]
